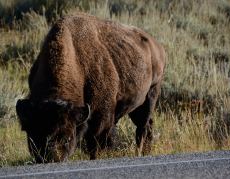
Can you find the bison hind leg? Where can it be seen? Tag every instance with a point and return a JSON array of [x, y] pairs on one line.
[[144, 137], [141, 118]]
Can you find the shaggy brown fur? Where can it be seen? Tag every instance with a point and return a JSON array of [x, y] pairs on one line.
[[116, 69]]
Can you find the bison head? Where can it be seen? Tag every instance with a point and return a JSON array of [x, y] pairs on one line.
[[53, 127]]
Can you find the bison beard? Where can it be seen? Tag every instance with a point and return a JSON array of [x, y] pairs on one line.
[[88, 74]]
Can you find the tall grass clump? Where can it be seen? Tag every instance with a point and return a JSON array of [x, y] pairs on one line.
[[23, 43], [13, 149]]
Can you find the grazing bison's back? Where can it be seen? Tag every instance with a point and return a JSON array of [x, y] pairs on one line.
[[115, 59], [102, 56], [115, 69]]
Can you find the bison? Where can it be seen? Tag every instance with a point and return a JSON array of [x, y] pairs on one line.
[[88, 74]]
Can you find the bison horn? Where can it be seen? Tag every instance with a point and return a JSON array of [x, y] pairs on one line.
[[89, 111]]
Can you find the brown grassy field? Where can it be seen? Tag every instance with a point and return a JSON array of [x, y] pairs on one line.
[[193, 112]]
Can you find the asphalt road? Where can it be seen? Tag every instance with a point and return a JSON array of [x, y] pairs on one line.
[[197, 165]]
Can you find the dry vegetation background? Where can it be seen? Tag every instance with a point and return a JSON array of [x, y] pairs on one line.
[[193, 112]]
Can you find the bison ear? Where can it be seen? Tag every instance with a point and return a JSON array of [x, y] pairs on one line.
[[23, 109], [81, 114]]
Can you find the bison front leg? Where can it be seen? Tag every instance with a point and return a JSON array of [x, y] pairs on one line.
[[99, 132], [91, 143], [105, 139], [141, 118]]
